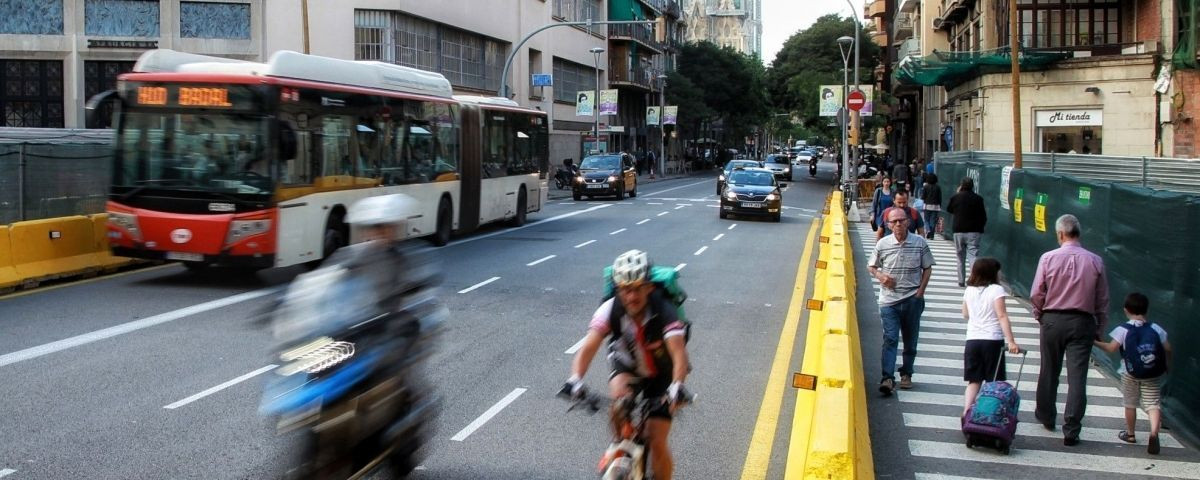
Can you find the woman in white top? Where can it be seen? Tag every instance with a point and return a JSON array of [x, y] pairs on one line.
[[988, 329]]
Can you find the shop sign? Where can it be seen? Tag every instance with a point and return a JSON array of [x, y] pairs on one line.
[[1070, 118], [138, 44]]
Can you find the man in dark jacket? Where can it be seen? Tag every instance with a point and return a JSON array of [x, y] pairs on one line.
[[969, 220], [902, 176], [931, 194]]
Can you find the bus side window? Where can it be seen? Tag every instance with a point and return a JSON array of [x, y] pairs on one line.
[[441, 118], [334, 139], [295, 162], [367, 138]]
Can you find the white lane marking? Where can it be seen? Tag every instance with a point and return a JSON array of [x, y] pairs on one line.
[[540, 260], [956, 400], [575, 348], [958, 349], [963, 326], [1031, 429], [701, 250], [566, 203], [713, 206], [477, 285], [718, 237], [962, 337], [220, 387], [731, 226], [1031, 387], [614, 232], [6, 472], [676, 188], [1058, 459], [653, 203], [643, 221], [681, 206], [1011, 363], [84, 339], [527, 225], [957, 315], [680, 267], [663, 213], [584, 244], [491, 412]]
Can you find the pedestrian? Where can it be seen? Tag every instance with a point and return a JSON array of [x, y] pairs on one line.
[[902, 264], [902, 176], [1070, 301], [1146, 353], [989, 331], [918, 172], [969, 219], [652, 162], [932, 196], [880, 201], [915, 224]]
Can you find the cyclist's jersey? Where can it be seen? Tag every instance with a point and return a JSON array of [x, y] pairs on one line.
[[640, 348]]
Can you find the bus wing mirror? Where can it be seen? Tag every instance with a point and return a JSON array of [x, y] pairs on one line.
[[95, 107]]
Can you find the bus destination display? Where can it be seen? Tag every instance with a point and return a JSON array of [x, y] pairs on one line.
[[161, 96]]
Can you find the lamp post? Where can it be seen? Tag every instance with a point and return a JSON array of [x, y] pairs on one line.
[[857, 39], [662, 129], [596, 102], [844, 45]]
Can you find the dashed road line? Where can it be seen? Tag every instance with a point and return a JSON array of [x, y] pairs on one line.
[[220, 387], [540, 260], [675, 188], [6, 472], [680, 206], [718, 237], [584, 244], [643, 221], [664, 213], [680, 267], [732, 226], [477, 285], [614, 232], [491, 412], [575, 348], [701, 250], [653, 203]]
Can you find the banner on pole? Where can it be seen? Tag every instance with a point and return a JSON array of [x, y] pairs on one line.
[[583, 103], [831, 100], [868, 108], [670, 115], [652, 115], [608, 102]]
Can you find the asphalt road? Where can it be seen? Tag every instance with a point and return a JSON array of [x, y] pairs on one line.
[[157, 373]]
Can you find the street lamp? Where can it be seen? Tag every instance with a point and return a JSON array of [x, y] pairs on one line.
[[596, 102], [844, 44], [662, 129]]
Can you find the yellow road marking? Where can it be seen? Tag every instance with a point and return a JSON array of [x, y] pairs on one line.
[[97, 278], [758, 458]]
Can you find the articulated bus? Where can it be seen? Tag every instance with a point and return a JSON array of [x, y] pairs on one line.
[[219, 161]]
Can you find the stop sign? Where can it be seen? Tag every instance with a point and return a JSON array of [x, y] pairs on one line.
[[856, 100]]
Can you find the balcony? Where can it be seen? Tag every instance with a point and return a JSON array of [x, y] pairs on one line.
[[671, 8], [904, 26], [877, 8], [909, 6], [624, 75], [642, 34], [880, 38], [907, 48], [954, 11]]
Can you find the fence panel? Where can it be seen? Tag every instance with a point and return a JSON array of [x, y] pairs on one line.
[[10, 183]]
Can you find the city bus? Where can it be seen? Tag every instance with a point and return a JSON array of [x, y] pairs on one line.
[[219, 161]]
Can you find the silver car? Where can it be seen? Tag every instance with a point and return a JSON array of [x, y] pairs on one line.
[[778, 164]]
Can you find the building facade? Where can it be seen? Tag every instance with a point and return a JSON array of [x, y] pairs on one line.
[[728, 23], [639, 58]]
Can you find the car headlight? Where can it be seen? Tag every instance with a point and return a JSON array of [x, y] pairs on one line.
[[787, 169], [127, 222], [771, 197], [240, 229], [730, 194], [612, 178]]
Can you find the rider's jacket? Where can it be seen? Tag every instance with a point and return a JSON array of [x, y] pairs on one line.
[[639, 346]]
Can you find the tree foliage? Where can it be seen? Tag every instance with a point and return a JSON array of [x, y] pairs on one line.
[[718, 84]]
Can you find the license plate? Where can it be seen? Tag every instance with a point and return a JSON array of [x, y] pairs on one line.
[[185, 256], [752, 204], [597, 185]]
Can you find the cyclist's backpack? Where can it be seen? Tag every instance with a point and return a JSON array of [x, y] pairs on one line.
[[1143, 351], [666, 283]]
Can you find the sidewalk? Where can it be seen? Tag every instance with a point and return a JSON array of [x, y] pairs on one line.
[[644, 179], [923, 426]]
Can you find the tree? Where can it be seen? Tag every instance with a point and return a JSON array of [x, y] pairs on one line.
[[730, 86]]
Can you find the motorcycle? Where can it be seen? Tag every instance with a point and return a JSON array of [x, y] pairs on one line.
[[349, 388], [812, 167], [565, 176]]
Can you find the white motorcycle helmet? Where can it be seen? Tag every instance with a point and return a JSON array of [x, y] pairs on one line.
[[382, 210]]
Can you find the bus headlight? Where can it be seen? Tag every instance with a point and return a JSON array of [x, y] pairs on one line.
[[127, 222], [240, 229]]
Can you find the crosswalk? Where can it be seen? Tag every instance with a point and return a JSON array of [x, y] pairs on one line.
[[932, 408]]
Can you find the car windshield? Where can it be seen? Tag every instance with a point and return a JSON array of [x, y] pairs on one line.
[[606, 162], [212, 152], [752, 178], [776, 159]]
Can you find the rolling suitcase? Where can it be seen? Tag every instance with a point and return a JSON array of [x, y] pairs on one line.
[[992, 419]]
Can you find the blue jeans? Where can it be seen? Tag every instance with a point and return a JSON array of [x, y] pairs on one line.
[[901, 318], [931, 219]]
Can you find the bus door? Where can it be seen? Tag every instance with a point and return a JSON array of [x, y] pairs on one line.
[[470, 168]]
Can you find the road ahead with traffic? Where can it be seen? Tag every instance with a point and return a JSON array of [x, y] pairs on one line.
[[157, 373]]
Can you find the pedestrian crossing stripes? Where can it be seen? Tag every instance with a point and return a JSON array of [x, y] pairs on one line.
[[932, 409]]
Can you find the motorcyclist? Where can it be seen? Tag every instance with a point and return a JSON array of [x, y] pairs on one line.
[[647, 346]]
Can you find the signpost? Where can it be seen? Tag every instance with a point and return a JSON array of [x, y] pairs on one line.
[[856, 100]]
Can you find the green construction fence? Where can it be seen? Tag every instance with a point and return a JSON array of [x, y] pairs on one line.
[[1146, 237]]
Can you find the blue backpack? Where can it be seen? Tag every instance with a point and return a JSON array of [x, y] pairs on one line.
[[1143, 351], [996, 405]]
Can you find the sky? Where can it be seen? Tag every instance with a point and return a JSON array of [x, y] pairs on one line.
[[782, 18]]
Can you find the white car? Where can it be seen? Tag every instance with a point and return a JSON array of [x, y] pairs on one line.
[[802, 158]]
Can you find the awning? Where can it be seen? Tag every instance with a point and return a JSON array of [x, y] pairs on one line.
[[950, 69]]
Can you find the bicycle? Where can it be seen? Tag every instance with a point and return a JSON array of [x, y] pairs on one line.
[[628, 457]]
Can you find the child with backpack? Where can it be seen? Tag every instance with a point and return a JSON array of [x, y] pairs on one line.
[[989, 332], [1145, 353]]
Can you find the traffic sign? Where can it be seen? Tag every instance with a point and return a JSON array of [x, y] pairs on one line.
[[856, 100]]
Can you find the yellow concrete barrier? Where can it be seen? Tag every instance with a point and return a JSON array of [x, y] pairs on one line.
[[8, 271], [52, 248], [103, 256]]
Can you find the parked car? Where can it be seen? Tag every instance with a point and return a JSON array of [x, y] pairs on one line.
[[779, 165], [606, 174], [732, 164], [752, 191]]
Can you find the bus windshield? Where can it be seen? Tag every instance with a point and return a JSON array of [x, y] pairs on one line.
[[213, 152]]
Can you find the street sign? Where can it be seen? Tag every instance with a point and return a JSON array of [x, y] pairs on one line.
[[856, 100], [543, 80]]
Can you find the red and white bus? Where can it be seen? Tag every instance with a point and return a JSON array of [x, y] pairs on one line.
[[254, 164]]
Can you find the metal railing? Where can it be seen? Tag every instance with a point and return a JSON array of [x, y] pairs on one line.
[[643, 34], [1158, 173], [53, 173], [621, 72]]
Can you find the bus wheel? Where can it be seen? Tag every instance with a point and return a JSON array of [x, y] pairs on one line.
[[442, 236], [522, 204]]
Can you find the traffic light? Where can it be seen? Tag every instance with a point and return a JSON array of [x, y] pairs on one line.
[[660, 29]]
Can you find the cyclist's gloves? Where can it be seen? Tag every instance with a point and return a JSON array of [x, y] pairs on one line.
[[573, 388], [674, 392]]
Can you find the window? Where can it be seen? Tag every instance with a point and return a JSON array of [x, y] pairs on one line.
[[121, 18], [295, 164], [497, 148], [334, 141], [465, 58], [423, 144], [31, 93], [535, 67], [571, 78], [1069, 24], [214, 20], [31, 17], [578, 11]]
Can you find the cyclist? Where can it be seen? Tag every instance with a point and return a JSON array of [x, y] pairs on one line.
[[646, 346]]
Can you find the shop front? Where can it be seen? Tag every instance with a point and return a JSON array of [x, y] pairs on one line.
[[1070, 130]]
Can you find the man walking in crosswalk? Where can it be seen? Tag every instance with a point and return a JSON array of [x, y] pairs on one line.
[[902, 263]]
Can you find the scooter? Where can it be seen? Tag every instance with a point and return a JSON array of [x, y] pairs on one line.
[[565, 176], [812, 167]]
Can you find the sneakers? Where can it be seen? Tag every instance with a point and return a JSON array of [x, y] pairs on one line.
[[906, 382], [886, 387]]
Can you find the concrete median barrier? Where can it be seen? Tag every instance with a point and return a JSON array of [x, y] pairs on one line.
[[8, 271], [53, 248], [103, 256]]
